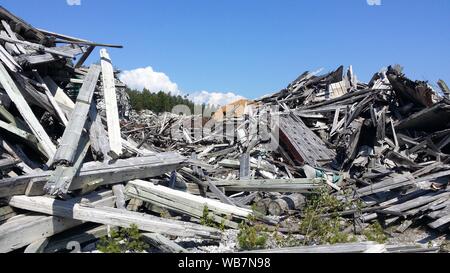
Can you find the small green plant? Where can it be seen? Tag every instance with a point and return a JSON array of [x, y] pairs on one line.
[[123, 240], [222, 225], [375, 233], [251, 237], [320, 229], [207, 219]]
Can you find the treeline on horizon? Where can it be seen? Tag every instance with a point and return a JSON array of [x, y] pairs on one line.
[[161, 102]]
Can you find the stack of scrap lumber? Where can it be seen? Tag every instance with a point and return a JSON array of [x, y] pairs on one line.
[[76, 162], [63, 158], [383, 145]]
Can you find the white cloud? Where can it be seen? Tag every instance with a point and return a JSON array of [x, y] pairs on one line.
[[214, 98], [141, 78]]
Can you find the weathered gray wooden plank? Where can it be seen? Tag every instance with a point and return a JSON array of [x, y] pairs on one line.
[[36, 46], [69, 143], [112, 111], [26, 112], [271, 185], [61, 179], [71, 39], [98, 135], [338, 248], [103, 174], [163, 243], [180, 201], [440, 222], [113, 217], [50, 97], [12, 34], [8, 60]]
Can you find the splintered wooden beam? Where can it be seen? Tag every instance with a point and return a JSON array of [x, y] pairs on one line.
[[8, 60], [26, 112], [61, 179], [181, 202], [112, 111], [69, 143], [75, 40], [12, 34], [303, 185], [98, 135], [98, 173], [112, 217], [37, 47]]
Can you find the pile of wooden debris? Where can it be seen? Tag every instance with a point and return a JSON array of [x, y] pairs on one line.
[[76, 161]]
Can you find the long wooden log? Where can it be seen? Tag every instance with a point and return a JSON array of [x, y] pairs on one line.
[[271, 185], [102, 174]]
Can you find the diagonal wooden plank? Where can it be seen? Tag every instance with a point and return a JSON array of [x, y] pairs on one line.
[[68, 147], [12, 34], [52, 100], [113, 217], [112, 111], [26, 112], [8, 60]]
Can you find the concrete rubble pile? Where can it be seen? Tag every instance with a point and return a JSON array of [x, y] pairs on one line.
[[76, 161]]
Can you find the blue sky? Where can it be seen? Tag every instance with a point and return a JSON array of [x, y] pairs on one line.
[[254, 47]]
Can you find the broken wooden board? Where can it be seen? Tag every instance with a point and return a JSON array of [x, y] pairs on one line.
[[112, 217], [182, 202], [302, 143], [98, 173], [26, 112], [112, 112], [70, 140], [303, 185]]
